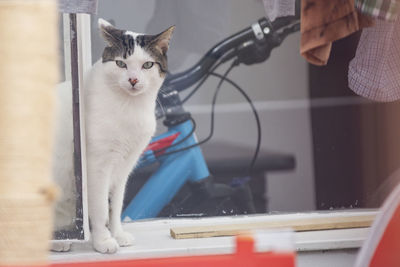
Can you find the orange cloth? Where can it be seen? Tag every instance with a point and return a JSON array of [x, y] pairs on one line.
[[323, 22]]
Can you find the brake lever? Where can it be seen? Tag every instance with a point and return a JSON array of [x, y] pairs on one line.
[[259, 49], [266, 38], [252, 52]]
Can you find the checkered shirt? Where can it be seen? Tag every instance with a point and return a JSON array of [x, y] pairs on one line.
[[382, 9]]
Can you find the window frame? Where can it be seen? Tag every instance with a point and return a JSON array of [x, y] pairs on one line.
[[76, 29], [82, 30]]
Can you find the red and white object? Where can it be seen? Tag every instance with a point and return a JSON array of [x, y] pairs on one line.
[[382, 247]]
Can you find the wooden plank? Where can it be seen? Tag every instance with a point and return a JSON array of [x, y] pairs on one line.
[[299, 225]]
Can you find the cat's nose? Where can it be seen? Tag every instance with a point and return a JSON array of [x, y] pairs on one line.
[[133, 81]]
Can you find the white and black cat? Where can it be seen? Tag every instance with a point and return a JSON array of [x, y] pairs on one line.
[[120, 93]]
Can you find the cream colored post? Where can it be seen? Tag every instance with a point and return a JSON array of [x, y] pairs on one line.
[[28, 73]]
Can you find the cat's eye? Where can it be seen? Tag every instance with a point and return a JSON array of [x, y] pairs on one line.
[[148, 65], [120, 64]]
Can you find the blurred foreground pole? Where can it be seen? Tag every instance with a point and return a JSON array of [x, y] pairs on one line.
[[28, 73]]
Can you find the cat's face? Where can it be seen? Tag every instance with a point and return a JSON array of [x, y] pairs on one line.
[[133, 62]]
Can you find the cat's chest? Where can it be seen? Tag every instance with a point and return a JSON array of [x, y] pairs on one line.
[[132, 124], [127, 124], [127, 136]]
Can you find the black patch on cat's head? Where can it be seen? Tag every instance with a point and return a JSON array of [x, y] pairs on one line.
[[157, 47], [123, 45], [119, 43]]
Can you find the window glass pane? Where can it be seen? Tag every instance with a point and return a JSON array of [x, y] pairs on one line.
[[322, 147]]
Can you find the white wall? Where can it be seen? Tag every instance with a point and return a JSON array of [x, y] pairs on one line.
[[277, 85]]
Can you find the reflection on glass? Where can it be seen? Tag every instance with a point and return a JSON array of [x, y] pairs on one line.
[[63, 166], [323, 147]]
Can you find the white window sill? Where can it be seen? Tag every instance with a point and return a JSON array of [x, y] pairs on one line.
[[153, 238]]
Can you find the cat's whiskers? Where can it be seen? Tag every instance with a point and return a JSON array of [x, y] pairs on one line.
[[160, 104], [163, 92]]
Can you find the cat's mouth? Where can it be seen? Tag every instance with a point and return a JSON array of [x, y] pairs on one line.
[[134, 90]]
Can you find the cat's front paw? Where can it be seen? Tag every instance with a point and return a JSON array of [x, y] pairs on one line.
[[60, 246], [108, 245], [125, 239]]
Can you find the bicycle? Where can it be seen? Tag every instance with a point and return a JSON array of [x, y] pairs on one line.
[[178, 152]]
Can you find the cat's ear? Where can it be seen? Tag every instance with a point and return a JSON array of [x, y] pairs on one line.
[[161, 41], [110, 34]]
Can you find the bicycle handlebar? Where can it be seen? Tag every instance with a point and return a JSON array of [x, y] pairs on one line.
[[249, 46], [264, 34]]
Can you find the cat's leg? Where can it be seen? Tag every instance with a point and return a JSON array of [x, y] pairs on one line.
[[98, 192], [124, 239]]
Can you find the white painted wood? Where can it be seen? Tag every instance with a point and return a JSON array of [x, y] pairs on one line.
[[84, 44], [84, 62], [153, 238]]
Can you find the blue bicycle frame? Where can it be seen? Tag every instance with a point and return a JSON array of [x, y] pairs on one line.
[[174, 171]]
